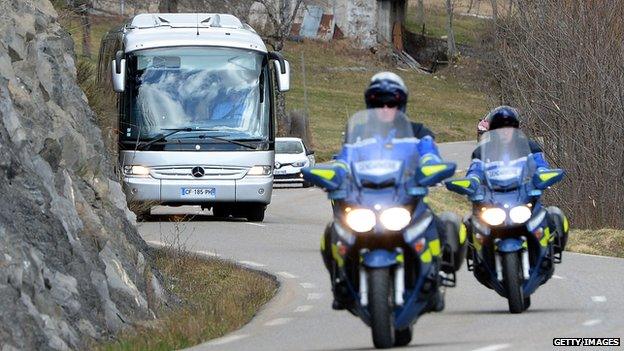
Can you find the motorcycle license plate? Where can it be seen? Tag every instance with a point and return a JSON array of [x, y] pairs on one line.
[[198, 193]]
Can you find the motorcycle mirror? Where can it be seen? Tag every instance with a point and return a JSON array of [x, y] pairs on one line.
[[429, 175], [325, 177], [543, 180], [462, 186]]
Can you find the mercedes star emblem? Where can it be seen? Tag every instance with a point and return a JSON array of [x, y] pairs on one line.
[[198, 172]]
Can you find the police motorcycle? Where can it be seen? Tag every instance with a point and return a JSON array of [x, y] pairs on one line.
[[513, 244], [386, 257]]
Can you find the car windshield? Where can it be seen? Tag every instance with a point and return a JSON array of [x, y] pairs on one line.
[[288, 147], [220, 90], [504, 153]]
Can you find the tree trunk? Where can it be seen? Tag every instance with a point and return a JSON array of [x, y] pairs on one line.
[[283, 122], [494, 10], [168, 6], [85, 22], [420, 16], [450, 35]]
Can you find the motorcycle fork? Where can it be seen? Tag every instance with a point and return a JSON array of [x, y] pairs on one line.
[[526, 267], [399, 281]]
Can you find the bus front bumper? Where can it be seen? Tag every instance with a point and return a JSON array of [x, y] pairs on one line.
[[250, 189]]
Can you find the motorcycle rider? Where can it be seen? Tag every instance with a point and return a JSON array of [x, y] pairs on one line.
[[508, 117], [387, 94]]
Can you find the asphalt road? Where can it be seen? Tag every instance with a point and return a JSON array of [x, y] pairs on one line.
[[584, 298]]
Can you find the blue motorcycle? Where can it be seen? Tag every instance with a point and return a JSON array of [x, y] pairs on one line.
[[514, 241], [387, 261]]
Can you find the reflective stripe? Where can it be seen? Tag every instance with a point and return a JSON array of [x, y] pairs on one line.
[[323, 242], [462, 183], [547, 176], [462, 234], [475, 242], [432, 169], [426, 256], [434, 246], [525, 244], [546, 237], [566, 225], [337, 256], [400, 258], [327, 174]]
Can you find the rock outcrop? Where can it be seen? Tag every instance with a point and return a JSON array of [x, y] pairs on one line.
[[72, 266]]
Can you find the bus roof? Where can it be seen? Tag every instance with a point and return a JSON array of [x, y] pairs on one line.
[[156, 30]]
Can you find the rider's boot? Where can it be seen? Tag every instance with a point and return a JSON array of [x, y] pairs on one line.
[[339, 288]]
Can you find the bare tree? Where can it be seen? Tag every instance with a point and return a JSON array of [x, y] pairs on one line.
[[494, 10], [82, 8], [560, 62], [450, 33], [281, 14]]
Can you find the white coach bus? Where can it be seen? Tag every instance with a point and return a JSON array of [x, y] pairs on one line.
[[196, 110]]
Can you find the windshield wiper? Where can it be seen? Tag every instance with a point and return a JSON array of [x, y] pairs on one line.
[[231, 141], [163, 137]]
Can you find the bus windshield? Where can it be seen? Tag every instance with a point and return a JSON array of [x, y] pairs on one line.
[[218, 91]]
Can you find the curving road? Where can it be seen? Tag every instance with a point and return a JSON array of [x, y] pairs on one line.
[[584, 299]]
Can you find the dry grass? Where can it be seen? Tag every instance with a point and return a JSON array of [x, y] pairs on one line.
[[605, 242], [217, 297], [442, 200]]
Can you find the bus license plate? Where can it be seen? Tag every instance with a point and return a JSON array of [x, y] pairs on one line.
[[198, 193]]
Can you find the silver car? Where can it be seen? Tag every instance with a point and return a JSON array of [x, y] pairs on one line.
[[291, 155]]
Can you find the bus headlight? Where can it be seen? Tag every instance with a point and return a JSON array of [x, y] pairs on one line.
[[136, 170], [361, 220], [395, 218], [520, 214], [493, 216], [259, 171]]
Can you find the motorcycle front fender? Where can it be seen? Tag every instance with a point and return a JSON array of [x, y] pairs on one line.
[[379, 259], [510, 245]]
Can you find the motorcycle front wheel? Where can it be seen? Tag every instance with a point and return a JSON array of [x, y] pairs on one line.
[[380, 307], [512, 277]]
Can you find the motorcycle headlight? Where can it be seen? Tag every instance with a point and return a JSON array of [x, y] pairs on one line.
[[494, 216], [361, 220], [520, 214], [395, 218]]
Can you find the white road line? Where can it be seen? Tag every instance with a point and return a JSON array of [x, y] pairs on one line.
[[227, 339], [309, 190], [557, 276], [591, 322], [277, 321], [494, 347], [599, 298], [208, 253], [314, 296], [256, 224], [307, 285], [303, 308], [287, 275], [252, 264]]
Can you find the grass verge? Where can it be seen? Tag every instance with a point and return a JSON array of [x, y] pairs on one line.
[[337, 75], [217, 297]]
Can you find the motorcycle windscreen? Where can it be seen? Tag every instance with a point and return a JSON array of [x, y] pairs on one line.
[[504, 154], [381, 147]]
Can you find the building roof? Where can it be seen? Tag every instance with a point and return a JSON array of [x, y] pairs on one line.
[[189, 29]]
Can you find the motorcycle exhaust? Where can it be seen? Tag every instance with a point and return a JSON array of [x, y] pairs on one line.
[[525, 261], [399, 283]]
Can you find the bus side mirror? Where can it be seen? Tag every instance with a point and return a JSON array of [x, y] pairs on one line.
[[283, 79], [282, 71], [118, 71]]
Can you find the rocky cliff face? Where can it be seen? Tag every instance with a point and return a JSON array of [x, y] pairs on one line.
[[72, 266]]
